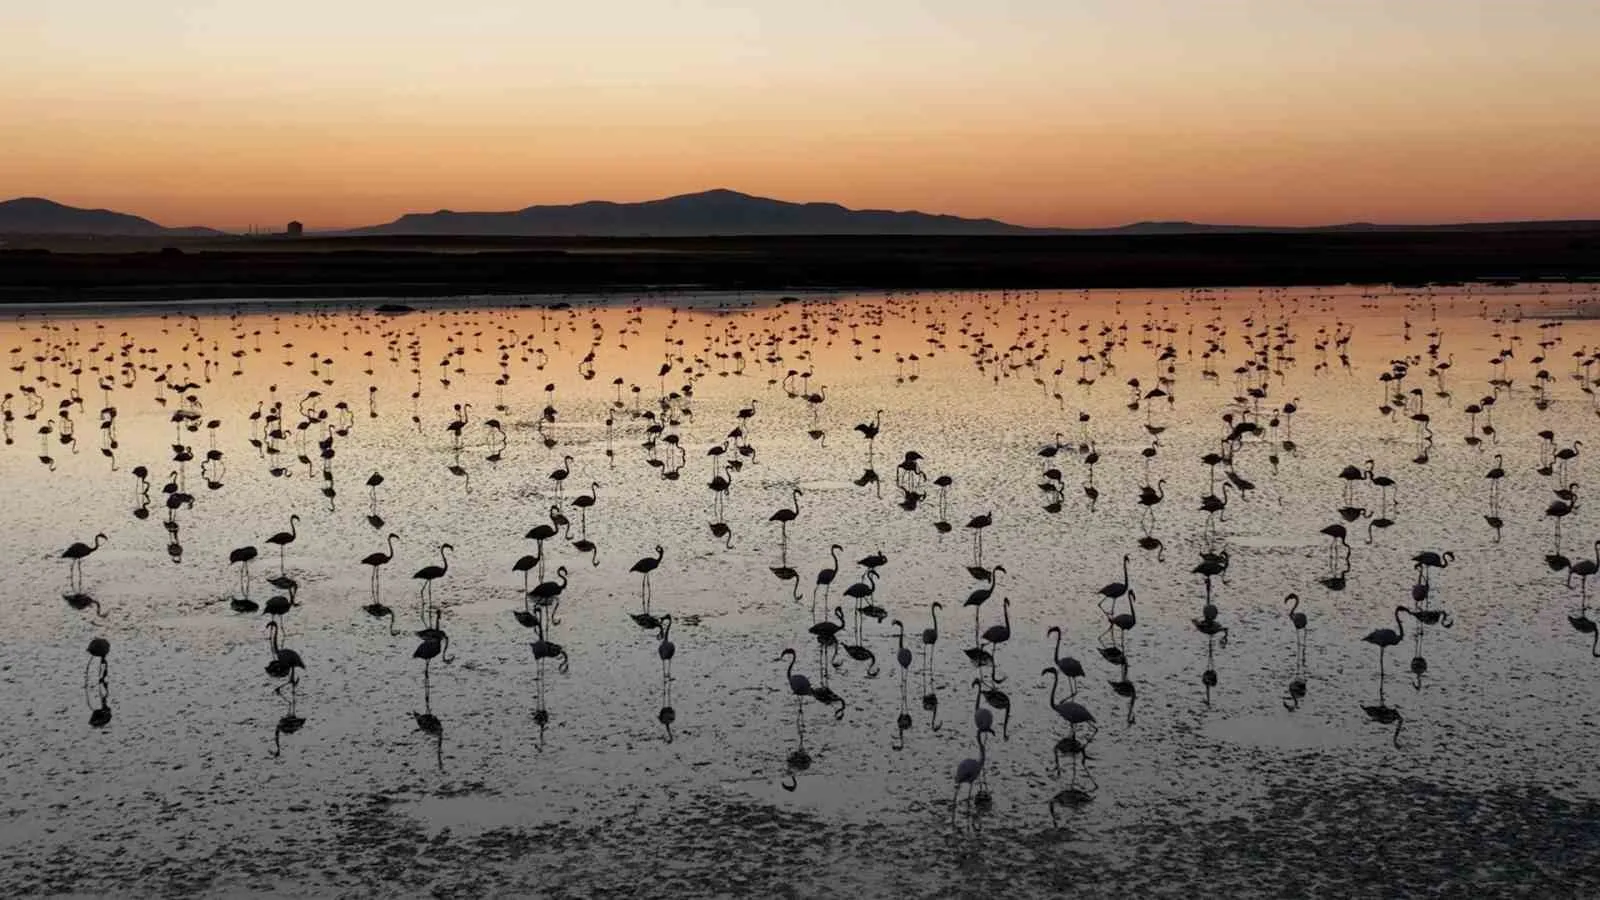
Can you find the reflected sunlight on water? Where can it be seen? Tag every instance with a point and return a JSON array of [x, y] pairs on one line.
[[555, 743]]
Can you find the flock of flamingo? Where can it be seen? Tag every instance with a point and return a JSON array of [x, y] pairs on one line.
[[766, 356]]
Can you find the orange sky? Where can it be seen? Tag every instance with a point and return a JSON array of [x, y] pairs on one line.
[[1044, 112]]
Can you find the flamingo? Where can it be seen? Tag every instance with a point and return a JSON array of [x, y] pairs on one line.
[[978, 524], [76, 553], [378, 560], [968, 772], [546, 592], [242, 556], [999, 634], [284, 538], [825, 576], [800, 687], [1116, 589], [665, 648], [427, 574], [434, 643], [930, 636], [1122, 622], [559, 476], [1069, 666], [977, 598], [786, 515], [1384, 638], [903, 654], [982, 718], [584, 502], [525, 564], [1295, 616], [1585, 569], [1071, 711], [644, 567]]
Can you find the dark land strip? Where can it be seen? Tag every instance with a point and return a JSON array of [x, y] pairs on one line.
[[111, 270]]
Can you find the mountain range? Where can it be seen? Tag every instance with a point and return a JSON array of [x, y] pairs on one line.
[[36, 215], [715, 212]]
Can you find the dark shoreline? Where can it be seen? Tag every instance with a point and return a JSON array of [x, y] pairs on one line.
[[112, 270]]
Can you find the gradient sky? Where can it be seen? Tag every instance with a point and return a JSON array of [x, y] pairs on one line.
[[1044, 112]]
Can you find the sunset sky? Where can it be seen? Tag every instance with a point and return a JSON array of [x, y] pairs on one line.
[[1042, 112]]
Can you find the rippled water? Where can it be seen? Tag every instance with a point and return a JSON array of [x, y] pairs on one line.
[[1472, 772]]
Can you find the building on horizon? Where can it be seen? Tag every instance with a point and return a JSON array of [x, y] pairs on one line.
[[295, 229]]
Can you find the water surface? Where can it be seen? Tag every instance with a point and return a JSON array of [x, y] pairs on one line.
[[1472, 770]]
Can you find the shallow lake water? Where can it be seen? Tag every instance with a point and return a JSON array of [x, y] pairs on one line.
[[1222, 756]]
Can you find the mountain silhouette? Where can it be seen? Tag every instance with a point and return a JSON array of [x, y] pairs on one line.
[[715, 212], [718, 212], [36, 215]]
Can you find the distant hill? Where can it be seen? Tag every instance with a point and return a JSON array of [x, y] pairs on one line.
[[716, 212], [36, 215], [731, 213], [1158, 228]]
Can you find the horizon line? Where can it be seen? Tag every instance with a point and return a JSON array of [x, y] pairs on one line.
[[244, 230]]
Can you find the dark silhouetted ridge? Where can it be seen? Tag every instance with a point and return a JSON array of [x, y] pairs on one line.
[[714, 212], [36, 215]]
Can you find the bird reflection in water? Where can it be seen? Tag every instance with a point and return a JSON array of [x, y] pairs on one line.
[[434, 644], [902, 658], [1492, 516], [455, 468], [429, 724], [858, 651], [80, 601], [97, 683], [1150, 543], [1074, 746], [784, 572], [1125, 688], [1582, 624], [289, 723], [285, 664], [1385, 714], [972, 773], [141, 493], [869, 476], [1296, 690], [800, 687], [1209, 626], [1079, 791], [666, 650], [543, 650], [174, 541], [1338, 576], [1422, 610], [1208, 678]]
